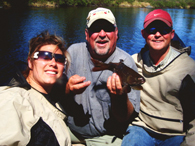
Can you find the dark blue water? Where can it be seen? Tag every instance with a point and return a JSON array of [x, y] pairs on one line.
[[17, 27]]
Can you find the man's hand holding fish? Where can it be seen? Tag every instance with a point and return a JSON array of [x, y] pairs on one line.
[[115, 86], [99, 107]]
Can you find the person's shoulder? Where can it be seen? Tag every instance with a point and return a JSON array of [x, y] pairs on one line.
[[16, 96], [135, 56], [127, 58], [12, 92], [122, 52], [77, 45], [14, 105], [77, 48], [10, 89], [184, 63], [185, 58]]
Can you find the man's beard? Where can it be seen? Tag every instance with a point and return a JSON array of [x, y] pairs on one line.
[[101, 54]]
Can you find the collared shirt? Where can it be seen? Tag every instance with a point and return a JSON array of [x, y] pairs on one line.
[[151, 67], [89, 113], [163, 92]]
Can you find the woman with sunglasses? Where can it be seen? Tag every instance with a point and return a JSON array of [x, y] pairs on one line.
[[29, 113]]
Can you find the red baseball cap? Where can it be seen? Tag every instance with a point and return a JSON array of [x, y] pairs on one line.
[[158, 14]]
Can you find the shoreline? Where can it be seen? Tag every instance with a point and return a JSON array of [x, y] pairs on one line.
[[124, 4]]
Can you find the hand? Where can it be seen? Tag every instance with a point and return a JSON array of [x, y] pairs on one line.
[[115, 86], [76, 84]]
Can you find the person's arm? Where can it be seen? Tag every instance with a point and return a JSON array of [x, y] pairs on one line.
[[121, 106], [187, 99], [17, 118]]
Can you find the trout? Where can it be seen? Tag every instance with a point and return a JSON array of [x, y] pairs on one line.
[[128, 76]]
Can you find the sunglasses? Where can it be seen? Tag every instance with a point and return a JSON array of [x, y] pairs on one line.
[[106, 28], [45, 55], [163, 30]]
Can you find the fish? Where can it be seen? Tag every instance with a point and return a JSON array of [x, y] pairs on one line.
[[127, 75]]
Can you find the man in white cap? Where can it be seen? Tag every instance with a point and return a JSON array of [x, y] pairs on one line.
[[167, 108], [97, 113]]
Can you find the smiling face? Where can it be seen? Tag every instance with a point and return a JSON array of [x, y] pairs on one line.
[[44, 73], [158, 41], [102, 38]]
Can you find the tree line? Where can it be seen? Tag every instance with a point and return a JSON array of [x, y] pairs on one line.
[[154, 3]]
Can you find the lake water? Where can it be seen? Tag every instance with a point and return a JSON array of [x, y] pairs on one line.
[[17, 27]]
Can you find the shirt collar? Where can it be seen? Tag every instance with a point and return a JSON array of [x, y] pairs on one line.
[[151, 67]]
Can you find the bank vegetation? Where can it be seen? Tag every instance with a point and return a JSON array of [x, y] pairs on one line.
[[186, 4]]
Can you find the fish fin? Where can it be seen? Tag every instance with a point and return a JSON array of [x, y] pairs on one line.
[[99, 65], [137, 87]]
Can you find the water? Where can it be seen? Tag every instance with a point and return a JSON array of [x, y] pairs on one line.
[[17, 27]]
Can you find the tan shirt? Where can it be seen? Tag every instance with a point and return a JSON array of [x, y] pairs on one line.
[[20, 109], [160, 108]]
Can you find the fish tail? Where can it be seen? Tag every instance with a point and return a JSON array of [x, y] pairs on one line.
[[99, 65]]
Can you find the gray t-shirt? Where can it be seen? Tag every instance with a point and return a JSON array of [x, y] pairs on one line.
[[89, 113]]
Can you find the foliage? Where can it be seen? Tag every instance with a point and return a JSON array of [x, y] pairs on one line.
[[171, 3], [154, 3]]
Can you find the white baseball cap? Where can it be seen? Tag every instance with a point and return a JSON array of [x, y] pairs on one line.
[[100, 13]]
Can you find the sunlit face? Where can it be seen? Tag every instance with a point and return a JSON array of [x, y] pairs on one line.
[[102, 38], [44, 73], [158, 41]]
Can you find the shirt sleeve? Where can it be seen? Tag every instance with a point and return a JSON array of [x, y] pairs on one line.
[[16, 116]]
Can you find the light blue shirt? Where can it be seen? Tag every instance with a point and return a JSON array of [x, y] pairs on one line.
[[94, 103]]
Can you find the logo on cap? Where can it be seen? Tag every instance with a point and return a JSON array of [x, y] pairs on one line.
[[156, 14]]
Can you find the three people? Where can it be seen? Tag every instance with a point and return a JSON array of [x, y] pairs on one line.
[[97, 113], [29, 114], [168, 92]]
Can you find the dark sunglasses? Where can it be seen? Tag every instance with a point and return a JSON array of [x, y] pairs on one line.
[[45, 55], [163, 30], [106, 28]]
